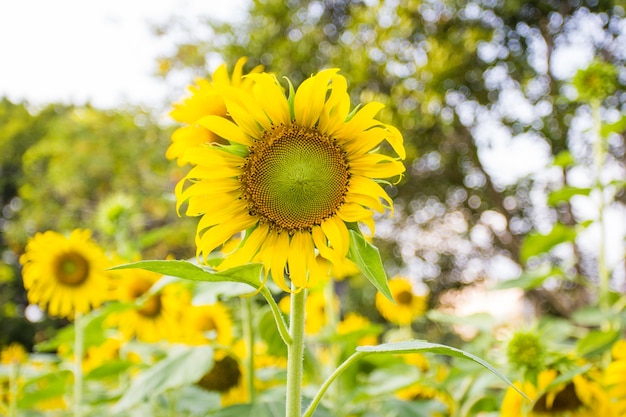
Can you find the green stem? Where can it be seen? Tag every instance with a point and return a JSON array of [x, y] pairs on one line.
[[278, 316], [78, 364], [295, 354], [318, 397], [599, 157], [248, 335]]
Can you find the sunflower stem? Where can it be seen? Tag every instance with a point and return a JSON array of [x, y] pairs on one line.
[[78, 364], [318, 397], [295, 354], [248, 335]]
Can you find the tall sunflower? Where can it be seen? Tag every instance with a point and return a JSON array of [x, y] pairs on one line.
[[65, 275], [295, 171], [204, 100]]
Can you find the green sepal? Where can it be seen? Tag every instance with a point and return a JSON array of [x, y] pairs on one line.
[[367, 257]]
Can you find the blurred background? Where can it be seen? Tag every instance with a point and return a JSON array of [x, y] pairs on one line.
[[499, 208]]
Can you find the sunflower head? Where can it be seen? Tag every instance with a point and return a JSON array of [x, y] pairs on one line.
[[13, 354], [408, 305], [208, 323], [66, 275], [295, 171]]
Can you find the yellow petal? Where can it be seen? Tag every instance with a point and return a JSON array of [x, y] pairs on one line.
[[310, 98], [365, 186], [376, 166], [267, 90], [248, 249], [337, 107], [300, 254], [354, 213], [321, 243], [225, 128], [361, 121], [280, 253], [337, 233], [217, 235]]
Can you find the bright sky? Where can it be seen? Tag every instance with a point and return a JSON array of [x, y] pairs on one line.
[[85, 50]]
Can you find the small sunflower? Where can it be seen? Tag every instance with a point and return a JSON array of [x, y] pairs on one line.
[[408, 305], [356, 324], [294, 173], [156, 316], [13, 354], [65, 275], [204, 100], [225, 378], [208, 323]]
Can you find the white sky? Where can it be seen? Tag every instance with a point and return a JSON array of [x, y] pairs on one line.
[[103, 51]]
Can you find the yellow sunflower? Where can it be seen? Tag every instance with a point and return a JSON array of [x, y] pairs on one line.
[[13, 354], [294, 173], [155, 316], [408, 305], [615, 377], [204, 100], [65, 275], [580, 397], [208, 323], [354, 323]]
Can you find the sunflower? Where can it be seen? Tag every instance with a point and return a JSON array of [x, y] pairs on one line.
[[204, 100], [580, 397], [355, 324], [615, 377], [155, 316], [208, 323], [408, 305], [294, 173], [65, 275], [13, 354]]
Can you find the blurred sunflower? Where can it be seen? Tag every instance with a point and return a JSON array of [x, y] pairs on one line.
[[225, 377], [208, 323], [13, 354], [155, 316], [204, 100], [316, 315], [408, 305], [580, 397], [355, 324], [295, 172], [615, 377], [65, 275]]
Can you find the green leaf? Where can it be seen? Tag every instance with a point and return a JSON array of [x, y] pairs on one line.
[[415, 346], [565, 194], [109, 369], [536, 243], [617, 127], [367, 257], [530, 279], [182, 367], [247, 274], [597, 341]]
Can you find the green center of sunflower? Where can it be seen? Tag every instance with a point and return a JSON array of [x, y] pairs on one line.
[[404, 297], [295, 177], [72, 269]]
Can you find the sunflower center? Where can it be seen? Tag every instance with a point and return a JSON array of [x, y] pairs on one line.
[[72, 269], [295, 177], [404, 297], [151, 307], [224, 375]]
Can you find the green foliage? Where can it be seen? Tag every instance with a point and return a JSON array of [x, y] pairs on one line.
[[367, 258]]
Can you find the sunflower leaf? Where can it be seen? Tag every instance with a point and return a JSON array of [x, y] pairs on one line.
[[248, 274], [367, 257], [415, 346], [182, 367]]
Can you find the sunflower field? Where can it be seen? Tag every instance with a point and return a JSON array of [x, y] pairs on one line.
[[362, 208]]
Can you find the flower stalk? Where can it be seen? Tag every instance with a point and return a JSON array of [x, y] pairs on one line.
[[248, 334], [79, 337], [295, 355]]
